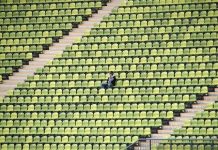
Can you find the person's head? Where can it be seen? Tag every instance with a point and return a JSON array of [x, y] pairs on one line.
[[111, 73]]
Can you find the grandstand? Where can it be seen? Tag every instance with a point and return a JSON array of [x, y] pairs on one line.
[[56, 53]]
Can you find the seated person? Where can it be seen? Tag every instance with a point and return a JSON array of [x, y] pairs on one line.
[[111, 81]]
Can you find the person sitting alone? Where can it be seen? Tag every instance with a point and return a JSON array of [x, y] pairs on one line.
[[111, 81]]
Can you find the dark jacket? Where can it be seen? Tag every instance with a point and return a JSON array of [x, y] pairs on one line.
[[113, 81]]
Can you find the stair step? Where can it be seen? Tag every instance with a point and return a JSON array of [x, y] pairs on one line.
[[170, 127], [159, 136], [209, 97], [187, 115], [215, 94], [175, 123], [165, 131]]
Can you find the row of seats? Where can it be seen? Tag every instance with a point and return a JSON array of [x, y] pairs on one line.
[[143, 69], [125, 83], [26, 41], [158, 16], [158, 29], [158, 22], [69, 57], [143, 60], [9, 51], [112, 122], [139, 27], [170, 13], [105, 98], [42, 27], [21, 35], [75, 131], [144, 53], [88, 91], [48, 13], [57, 5], [197, 131], [151, 72], [163, 2], [155, 72], [127, 120], [206, 113], [17, 56], [86, 83], [132, 9], [150, 37], [136, 115], [189, 146], [132, 78], [138, 52], [47, 146], [92, 107], [171, 7], [164, 23], [150, 44], [73, 124], [100, 31], [212, 122], [79, 139], [11, 63], [20, 2], [23, 22], [213, 106]]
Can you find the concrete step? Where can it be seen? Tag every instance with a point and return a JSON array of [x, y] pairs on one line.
[[175, 123], [159, 136], [214, 94], [165, 131], [209, 97], [188, 111], [8, 85], [199, 103], [170, 127]]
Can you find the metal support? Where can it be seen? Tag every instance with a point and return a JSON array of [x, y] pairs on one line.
[[149, 144]]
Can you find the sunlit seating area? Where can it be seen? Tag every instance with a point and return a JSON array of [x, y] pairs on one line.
[[163, 53]]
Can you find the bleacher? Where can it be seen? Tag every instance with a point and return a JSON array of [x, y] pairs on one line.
[[164, 55], [28, 27]]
